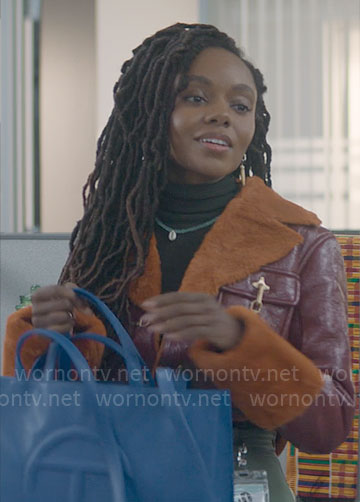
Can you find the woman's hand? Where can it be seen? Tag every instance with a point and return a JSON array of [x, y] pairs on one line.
[[53, 307], [191, 316]]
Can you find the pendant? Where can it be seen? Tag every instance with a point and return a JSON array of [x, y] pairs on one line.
[[172, 235]]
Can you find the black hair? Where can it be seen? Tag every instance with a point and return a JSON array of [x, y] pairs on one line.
[[109, 245]]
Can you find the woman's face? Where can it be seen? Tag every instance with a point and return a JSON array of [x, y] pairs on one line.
[[213, 120]]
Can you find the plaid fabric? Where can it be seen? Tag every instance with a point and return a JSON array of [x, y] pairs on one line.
[[334, 476]]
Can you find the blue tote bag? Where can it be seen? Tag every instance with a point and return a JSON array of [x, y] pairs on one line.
[[89, 441]]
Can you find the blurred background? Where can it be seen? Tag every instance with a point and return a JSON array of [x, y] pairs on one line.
[[60, 60]]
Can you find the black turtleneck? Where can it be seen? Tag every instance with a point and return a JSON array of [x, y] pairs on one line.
[[185, 206]]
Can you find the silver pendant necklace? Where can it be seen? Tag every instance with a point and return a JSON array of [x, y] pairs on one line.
[[173, 232]]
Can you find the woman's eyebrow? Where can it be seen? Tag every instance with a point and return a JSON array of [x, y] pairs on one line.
[[198, 78], [244, 88], [206, 81]]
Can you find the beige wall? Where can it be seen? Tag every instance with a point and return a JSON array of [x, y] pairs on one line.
[[122, 26], [67, 109], [83, 46]]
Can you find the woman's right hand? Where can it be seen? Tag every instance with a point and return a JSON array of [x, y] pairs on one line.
[[53, 307]]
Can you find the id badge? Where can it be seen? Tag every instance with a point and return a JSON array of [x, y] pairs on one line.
[[251, 486]]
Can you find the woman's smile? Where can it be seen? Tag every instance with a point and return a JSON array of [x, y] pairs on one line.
[[215, 147], [215, 142]]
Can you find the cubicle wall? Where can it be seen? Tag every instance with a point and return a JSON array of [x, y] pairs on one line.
[[26, 260]]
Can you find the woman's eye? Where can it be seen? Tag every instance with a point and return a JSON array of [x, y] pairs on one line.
[[240, 107], [194, 99]]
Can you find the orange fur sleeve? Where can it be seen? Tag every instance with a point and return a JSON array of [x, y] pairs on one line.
[[266, 375], [20, 321]]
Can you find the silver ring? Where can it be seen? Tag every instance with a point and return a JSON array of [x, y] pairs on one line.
[[70, 314]]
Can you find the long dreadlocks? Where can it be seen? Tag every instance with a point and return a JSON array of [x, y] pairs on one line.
[[109, 245]]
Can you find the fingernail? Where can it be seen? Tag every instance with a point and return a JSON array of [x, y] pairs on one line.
[[144, 321]]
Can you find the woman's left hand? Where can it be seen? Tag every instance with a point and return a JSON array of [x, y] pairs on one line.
[[191, 316]]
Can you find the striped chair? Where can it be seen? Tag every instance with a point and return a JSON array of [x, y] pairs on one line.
[[335, 476]]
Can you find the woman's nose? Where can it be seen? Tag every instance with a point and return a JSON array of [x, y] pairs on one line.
[[217, 114]]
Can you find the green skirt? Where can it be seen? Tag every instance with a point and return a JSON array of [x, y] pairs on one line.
[[261, 456]]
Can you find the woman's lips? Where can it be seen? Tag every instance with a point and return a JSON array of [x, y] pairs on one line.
[[214, 147]]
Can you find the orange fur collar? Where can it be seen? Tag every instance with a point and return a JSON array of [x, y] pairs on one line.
[[250, 233]]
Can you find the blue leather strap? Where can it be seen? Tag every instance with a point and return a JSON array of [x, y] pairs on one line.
[[120, 331], [75, 355], [132, 356], [133, 366]]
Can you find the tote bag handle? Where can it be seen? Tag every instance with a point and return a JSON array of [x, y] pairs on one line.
[[133, 360], [134, 369], [75, 355], [131, 353], [120, 331], [136, 372]]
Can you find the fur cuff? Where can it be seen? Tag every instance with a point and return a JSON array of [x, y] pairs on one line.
[[270, 381], [20, 321]]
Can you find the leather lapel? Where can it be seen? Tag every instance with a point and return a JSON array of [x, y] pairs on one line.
[[250, 233]]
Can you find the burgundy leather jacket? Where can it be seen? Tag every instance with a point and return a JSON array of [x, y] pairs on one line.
[[307, 305], [259, 234]]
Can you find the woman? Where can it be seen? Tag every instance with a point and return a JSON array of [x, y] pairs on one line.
[[208, 273]]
